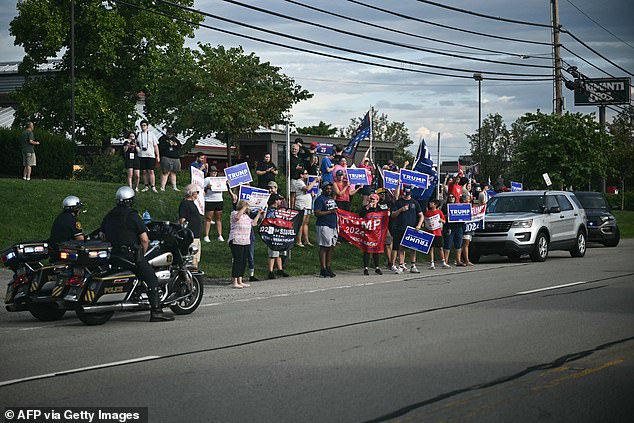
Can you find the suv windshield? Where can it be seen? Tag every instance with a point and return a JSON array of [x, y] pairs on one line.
[[592, 201], [516, 204]]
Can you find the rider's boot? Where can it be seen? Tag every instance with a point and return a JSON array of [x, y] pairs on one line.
[[156, 313]]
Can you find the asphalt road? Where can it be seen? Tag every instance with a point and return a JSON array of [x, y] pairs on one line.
[[472, 344]]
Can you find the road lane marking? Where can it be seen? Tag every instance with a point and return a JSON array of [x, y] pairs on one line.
[[78, 370], [548, 288]]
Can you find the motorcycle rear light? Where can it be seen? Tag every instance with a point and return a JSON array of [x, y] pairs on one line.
[[21, 279], [76, 281]]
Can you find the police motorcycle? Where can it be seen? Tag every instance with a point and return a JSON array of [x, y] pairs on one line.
[[97, 295], [34, 286]]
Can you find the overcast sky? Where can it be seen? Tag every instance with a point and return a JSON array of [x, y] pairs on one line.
[[428, 104]]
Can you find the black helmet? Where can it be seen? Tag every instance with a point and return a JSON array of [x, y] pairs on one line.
[[125, 195], [72, 203]]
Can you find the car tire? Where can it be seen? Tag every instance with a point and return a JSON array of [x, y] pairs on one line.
[[540, 248], [579, 250], [614, 241]]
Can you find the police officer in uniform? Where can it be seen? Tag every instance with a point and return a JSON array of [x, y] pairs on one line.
[[66, 227], [123, 228]]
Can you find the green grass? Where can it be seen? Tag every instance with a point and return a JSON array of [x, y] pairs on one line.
[[625, 220], [29, 208]]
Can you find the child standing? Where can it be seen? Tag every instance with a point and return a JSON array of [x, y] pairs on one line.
[[434, 220]]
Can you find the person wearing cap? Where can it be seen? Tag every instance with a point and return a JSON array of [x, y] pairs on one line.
[[405, 212], [169, 147], [275, 257], [327, 233], [304, 201], [342, 164], [327, 167], [266, 171], [371, 207], [188, 212], [343, 190], [273, 189], [214, 204]]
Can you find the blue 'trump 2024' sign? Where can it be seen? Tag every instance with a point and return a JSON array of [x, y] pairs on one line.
[[417, 240], [238, 174], [357, 176], [390, 179], [459, 213], [415, 179]]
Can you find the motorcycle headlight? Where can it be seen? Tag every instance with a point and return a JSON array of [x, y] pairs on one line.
[[193, 249], [522, 223]]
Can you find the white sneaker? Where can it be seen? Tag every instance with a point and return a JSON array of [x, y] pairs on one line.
[[403, 267], [154, 189], [396, 269], [414, 269], [213, 222], [162, 188], [445, 266], [432, 266], [175, 189], [221, 239], [146, 189], [136, 189], [206, 239]]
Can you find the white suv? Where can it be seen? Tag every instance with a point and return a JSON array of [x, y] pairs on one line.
[[533, 223]]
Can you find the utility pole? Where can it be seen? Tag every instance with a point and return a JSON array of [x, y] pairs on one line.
[[559, 99], [478, 77], [72, 70]]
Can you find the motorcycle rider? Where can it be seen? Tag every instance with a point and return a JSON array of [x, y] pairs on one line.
[[66, 227], [127, 233]]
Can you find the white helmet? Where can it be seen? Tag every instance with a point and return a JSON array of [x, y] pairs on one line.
[[72, 203], [125, 195]]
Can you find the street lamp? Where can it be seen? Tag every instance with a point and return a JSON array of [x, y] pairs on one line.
[[478, 77]]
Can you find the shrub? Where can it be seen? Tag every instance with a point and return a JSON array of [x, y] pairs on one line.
[[102, 168], [615, 201], [55, 154]]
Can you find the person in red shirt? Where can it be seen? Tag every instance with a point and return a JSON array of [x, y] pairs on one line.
[[433, 225]]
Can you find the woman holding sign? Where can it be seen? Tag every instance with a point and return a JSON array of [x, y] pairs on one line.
[[304, 201], [213, 203], [452, 233], [343, 190], [240, 239]]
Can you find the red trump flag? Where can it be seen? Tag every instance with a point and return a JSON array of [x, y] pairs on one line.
[[367, 233]]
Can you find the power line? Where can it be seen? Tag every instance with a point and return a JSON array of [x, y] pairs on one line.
[[481, 15], [589, 63], [595, 52], [447, 26], [379, 40], [332, 56], [402, 61], [406, 85], [601, 26], [374, 25]]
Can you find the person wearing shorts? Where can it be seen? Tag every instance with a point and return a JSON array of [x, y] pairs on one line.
[[27, 143], [148, 156], [169, 149], [452, 233], [214, 203], [304, 201], [405, 212], [131, 161], [327, 234], [434, 219]]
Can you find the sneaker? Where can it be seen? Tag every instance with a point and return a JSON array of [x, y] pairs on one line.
[[396, 269], [445, 266], [366, 272], [253, 279], [24, 177], [212, 222], [403, 267], [162, 188], [432, 266], [146, 189], [175, 189], [271, 275], [221, 239], [414, 269], [282, 273], [323, 274], [206, 239], [299, 244], [331, 273], [154, 189], [378, 271], [136, 189]]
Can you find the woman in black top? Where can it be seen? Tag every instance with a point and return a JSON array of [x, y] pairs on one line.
[[131, 160]]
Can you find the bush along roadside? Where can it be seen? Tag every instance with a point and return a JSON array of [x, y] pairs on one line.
[[615, 201]]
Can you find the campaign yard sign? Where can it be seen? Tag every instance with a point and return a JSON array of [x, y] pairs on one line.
[[324, 149], [257, 197], [357, 176], [390, 179], [238, 174], [477, 218], [516, 186], [415, 179], [198, 179], [315, 188], [458, 213], [417, 240], [217, 183]]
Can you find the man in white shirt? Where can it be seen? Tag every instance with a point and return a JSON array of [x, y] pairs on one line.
[[148, 156]]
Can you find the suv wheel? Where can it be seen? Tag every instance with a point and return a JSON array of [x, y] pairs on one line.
[[579, 250], [540, 249]]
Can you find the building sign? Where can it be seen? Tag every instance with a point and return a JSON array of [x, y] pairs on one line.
[[601, 91]]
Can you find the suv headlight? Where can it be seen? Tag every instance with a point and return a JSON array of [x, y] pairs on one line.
[[606, 218], [522, 223]]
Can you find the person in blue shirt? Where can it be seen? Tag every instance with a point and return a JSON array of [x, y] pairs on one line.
[[327, 234], [405, 212], [327, 168]]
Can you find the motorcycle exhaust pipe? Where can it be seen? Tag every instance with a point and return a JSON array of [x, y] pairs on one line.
[[111, 307]]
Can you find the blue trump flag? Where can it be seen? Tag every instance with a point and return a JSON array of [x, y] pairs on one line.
[[363, 131], [424, 164]]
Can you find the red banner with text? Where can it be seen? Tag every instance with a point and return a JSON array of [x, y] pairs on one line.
[[367, 233]]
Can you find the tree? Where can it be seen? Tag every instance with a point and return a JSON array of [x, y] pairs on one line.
[[620, 158], [323, 129], [386, 131], [214, 90], [492, 147], [570, 148], [114, 45]]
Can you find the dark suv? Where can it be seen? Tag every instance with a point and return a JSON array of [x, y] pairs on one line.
[[602, 225]]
